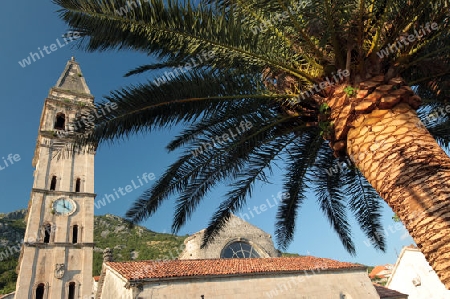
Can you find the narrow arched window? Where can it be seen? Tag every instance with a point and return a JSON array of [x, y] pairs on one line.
[[71, 290], [47, 233], [78, 185], [40, 289], [53, 183], [75, 234], [60, 123]]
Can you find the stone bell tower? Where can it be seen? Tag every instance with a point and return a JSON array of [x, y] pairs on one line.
[[56, 257]]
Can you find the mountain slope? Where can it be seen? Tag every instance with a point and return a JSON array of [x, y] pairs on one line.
[[137, 243], [12, 229]]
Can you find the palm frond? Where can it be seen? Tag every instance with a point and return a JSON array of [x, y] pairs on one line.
[[234, 113], [366, 206], [185, 98], [151, 29], [232, 160], [331, 198], [258, 163], [149, 67], [441, 130], [302, 156], [218, 163]]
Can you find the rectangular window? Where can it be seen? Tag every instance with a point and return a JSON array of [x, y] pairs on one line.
[[75, 234], [78, 185]]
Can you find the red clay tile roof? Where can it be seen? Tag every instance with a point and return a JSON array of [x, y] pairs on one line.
[[375, 271], [96, 278], [205, 267], [386, 293]]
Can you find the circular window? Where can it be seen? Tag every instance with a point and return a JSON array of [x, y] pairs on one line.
[[239, 250]]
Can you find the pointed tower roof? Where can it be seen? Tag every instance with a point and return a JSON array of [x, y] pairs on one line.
[[72, 78]]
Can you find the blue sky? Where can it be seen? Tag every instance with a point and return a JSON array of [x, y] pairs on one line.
[[36, 24]]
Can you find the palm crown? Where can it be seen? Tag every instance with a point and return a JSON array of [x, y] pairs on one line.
[[267, 60]]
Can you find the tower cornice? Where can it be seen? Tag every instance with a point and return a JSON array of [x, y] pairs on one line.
[[59, 244], [70, 92], [62, 193]]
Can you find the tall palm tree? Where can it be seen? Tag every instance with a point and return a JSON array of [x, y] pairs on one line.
[[311, 83]]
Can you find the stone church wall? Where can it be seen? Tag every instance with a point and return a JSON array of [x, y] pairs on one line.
[[348, 284], [235, 230]]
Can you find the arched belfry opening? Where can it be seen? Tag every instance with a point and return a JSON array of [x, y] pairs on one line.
[[75, 234], [47, 233], [40, 289], [60, 122], [71, 294], [53, 183], [77, 185]]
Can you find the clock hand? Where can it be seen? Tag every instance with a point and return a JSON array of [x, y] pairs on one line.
[[69, 206]]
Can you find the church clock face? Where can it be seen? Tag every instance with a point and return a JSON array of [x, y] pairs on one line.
[[64, 206]]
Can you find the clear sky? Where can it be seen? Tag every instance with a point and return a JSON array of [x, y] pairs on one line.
[[29, 25]]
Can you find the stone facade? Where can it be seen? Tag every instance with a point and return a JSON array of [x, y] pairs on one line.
[[235, 230], [56, 258]]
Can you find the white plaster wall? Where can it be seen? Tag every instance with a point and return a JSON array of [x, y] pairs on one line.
[[411, 265], [94, 286], [114, 287], [326, 285]]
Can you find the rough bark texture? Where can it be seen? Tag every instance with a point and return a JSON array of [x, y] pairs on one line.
[[411, 172], [375, 93], [378, 128]]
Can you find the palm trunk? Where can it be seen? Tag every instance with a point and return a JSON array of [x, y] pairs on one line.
[[411, 172]]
